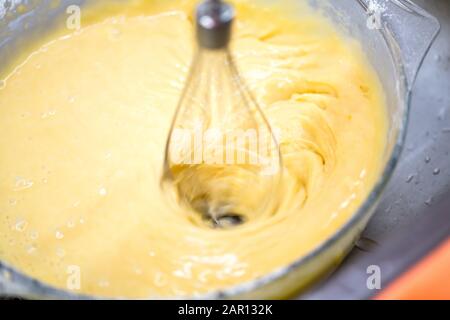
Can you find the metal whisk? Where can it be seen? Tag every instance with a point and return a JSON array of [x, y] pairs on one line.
[[222, 158]]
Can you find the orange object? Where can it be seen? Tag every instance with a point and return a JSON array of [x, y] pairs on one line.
[[429, 279]]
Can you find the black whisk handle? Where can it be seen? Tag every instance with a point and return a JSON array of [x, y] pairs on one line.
[[214, 22]]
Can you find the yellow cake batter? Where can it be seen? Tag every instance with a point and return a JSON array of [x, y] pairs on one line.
[[84, 121]]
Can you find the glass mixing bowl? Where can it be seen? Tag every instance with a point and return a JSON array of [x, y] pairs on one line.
[[395, 35]]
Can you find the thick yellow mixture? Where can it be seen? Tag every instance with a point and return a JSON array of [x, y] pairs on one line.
[[84, 122]]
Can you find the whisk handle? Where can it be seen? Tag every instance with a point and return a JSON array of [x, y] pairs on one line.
[[214, 21]]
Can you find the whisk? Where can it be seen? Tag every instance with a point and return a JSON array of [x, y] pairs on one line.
[[222, 158]]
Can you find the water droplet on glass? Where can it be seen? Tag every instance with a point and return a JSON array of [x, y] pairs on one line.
[[441, 113], [436, 171], [366, 244], [429, 201], [427, 159], [409, 178]]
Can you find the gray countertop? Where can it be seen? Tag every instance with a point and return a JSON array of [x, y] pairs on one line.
[[422, 178]]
